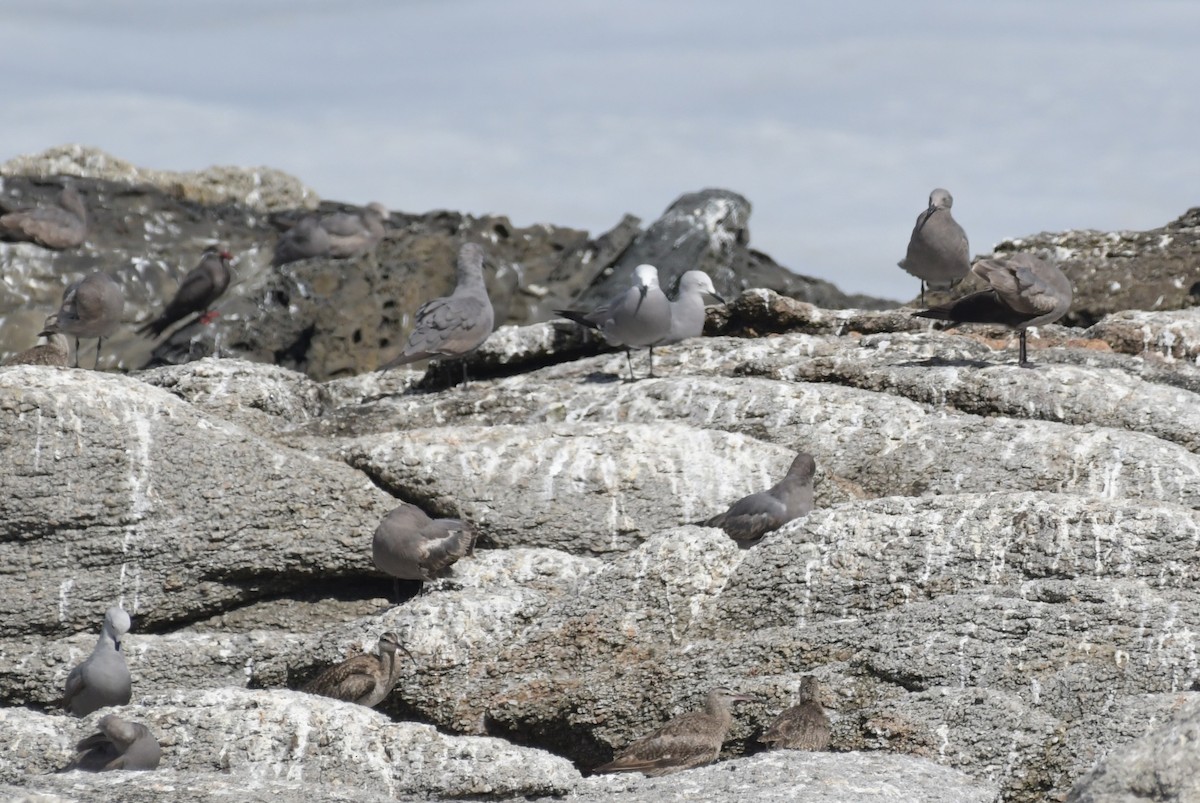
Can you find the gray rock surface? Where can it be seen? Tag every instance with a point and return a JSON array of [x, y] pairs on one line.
[[176, 514], [148, 227], [267, 735], [1159, 766]]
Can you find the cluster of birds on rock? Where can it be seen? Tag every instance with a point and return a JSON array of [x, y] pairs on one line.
[[1023, 291]]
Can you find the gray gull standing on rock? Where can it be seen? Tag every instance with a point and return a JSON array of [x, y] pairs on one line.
[[687, 310], [1025, 291], [688, 740], [752, 517], [938, 254], [103, 677], [638, 317], [456, 324], [91, 307]]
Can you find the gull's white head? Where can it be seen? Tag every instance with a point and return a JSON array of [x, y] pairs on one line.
[[646, 276], [116, 621], [940, 199]]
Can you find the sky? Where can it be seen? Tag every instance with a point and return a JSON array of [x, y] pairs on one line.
[[834, 119]]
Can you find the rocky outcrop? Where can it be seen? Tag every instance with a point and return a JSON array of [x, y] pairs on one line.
[[325, 317], [996, 579]]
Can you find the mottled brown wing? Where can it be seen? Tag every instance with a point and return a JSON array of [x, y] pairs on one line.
[[349, 681], [801, 727]]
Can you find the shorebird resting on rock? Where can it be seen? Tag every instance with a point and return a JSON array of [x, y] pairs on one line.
[[689, 740], [363, 679], [804, 726]]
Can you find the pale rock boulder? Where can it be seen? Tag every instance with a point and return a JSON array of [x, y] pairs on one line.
[[264, 736], [117, 491]]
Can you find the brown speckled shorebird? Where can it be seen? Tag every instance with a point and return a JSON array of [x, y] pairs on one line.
[[363, 679], [120, 745], [689, 740], [57, 227], [752, 517], [804, 726], [55, 351]]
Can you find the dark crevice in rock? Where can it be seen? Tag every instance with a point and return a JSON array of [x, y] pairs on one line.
[[558, 736], [293, 587]]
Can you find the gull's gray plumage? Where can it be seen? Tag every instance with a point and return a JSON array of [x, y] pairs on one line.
[[91, 307], [688, 740], [753, 516], [804, 726], [938, 253], [456, 324], [687, 310], [53, 352], [57, 227], [307, 239], [638, 317], [351, 234], [1025, 291], [363, 679], [103, 677], [411, 546], [119, 745], [200, 288]]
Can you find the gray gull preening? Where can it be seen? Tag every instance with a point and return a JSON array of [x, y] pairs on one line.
[[752, 517], [54, 351], [456, 324], [200, 288], [938, 254], [804, 726], [103, 677], [1025, 292], [363, 679], [57, 227], [637, 317], [91, 307], [688, 740], [687, 310], [409, 545], [119, 745]]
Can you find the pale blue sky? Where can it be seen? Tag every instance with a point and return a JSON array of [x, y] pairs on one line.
[[834, 119]]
